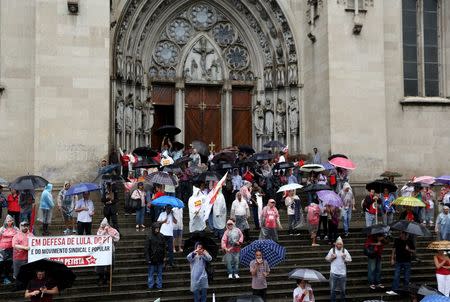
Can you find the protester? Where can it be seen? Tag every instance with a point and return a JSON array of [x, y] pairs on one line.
[[255, 206], [348, 205], [231, 244], [7, 233], [85, 209], [46, 206], [428, 199], [41, 289], [20, 247], [293, 207], [303, 292], [370, 207], [178, 230], [240, 213], [313, 216], [338, 256], [291, 178], [26, 203], [198, 260], [270, 220], [219, 212], [110, 200], [106, 230], [66, 205], [3, 201], [442, 264], [139, 196], [156, 210], [401, 258], [333, 222], [167, 221], [259, 269], [388, 208], [196, 211], [442, 227], [373, 248], [13, 206], [155, 252], [236, 180]]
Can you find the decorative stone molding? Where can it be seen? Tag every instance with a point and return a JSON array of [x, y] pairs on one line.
[[425, 101]]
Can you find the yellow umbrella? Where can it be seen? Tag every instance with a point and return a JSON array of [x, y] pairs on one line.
[[408, 201], [439, 245]]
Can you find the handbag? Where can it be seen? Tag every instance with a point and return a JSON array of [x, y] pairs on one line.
[[135, 203]]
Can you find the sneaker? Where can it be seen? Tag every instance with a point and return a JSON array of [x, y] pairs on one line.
[[236, 276], [66, 232], [315, 244], [291, 234], [380, 285], [325, 238], [137, 226], [346, 234], [230, 276], [142, 226], [372, 286], [391, 293]]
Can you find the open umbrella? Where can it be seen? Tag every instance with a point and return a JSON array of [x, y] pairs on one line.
[[246, 149], [182, 160], [3, 182], [24, 182], [435, 298], [263, 156], [329, 198], [315, 188], [195, 170], [427, 180], [201, 147], [167, 130], [376, 229], [380, 184], [307, 274], [274, 144], [425, 290], [443, 245], [283, 165], [247, 162], [145, 152], [82, 187], [246, 298], [172, 169], [177, 145], [337, 155], [271, 251], [444, 179], [224, 156], [327, 166], [208, 243], [224, 166], [108, 169], [146, 163], [162, 178], [408, 202], [312, 168], [411, 227], [168, 201], [342, 162], [56, 271], [390, 174], [289, 187]]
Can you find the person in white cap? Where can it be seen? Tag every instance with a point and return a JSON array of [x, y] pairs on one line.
[[338, 256], [231, 244]]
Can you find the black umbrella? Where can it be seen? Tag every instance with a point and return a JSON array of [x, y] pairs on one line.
[[224, 156], [172, 169], [182, 160], [315, 188], [145, 152], [146, 163], [224, 166], [246, 298], [247, 162], [207, 176], [337, 155], [411, 227], [162, 178], [60, 274], [207, 242], [380, 184], [283, 165], [246, 149], [168, 130], [274, 144], [201, 147], [263, 156], [376, 229], [177, 145], [28, 182]]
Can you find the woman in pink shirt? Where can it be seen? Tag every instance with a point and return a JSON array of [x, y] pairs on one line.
[[270, 221], [7, 232]]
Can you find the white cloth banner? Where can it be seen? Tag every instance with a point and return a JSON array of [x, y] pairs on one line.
[[73, 251]]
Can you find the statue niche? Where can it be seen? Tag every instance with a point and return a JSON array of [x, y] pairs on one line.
[[203, 63]]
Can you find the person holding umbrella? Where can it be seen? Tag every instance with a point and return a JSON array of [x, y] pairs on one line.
[[109, 199], [26, 202], [373, 249], [85, 209], [370, 207], [199, 278], [259, 269], [442, 264], [303, 292], [66, 204], [41, 288], [401, 257], [168, 221], [387, 199]]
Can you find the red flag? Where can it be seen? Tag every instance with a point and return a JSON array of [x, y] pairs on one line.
[[212, 196]]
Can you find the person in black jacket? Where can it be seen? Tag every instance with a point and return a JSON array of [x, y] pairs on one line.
[[109, 199], [155, 253]]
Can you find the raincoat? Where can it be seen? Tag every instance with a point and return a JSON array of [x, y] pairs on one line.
[[199, 277], [67, 203], [196, 211], [443, 226], [219, 212], [106, 229], [46, 205]]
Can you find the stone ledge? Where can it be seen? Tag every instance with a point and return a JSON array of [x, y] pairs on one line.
[[425, 101]]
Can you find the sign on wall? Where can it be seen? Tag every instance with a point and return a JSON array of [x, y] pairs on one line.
[[73, 251]]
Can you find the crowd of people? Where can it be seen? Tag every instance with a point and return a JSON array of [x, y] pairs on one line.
[[250, 198]]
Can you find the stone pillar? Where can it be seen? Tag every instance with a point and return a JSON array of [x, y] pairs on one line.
[[287, 95], [274, 108], [227, 111], [179, 109]]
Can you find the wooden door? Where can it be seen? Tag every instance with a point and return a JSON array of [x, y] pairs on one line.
[[242, 116], [202, 115], [163, 97]]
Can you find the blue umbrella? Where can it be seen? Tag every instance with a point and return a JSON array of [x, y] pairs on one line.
[[327, 166], [108, 169], [168, 201], [272, 252], [82, 188], [435, 298]]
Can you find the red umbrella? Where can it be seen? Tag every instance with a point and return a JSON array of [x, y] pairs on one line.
[[344, 163]]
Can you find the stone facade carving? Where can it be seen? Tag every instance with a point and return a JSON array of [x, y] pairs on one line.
[[280, 76], [258, 118], [166, 54], [281, 117], [130, 69], [180, 30], [293, 115], [237, 57], [203, 16], [268, 80], [268, 118], [138, 116], [292, 74], [129, 113], [203, 63], [224, 34], [119, 111]]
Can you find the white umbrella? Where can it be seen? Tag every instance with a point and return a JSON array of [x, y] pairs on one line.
[[312, 167], [307, 274], [289, 187]]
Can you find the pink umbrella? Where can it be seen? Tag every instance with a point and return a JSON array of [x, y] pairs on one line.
[[342, 162], [428, 180]]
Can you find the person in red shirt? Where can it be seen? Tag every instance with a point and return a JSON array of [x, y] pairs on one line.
[[20, 247], [154, 210], [13, 206], [270, 220], [375, 244], [124, 161], [370, 206], [442, 264]]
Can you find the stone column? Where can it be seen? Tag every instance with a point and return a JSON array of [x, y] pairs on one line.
[[274, 108], [179, 109], [287, 95], [227, 110]]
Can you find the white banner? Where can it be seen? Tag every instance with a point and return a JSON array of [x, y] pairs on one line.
[[73, 251]]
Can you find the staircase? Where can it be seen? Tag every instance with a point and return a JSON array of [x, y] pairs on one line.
[[130, 274]]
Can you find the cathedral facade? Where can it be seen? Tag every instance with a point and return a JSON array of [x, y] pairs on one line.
[[368, 78]]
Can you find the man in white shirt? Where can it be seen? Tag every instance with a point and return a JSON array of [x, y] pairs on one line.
[[338, 256], [168, 221], [85, 210], [316, 157]]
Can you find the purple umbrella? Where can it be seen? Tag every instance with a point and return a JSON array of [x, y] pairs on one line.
[[329, 198], [444, 179]]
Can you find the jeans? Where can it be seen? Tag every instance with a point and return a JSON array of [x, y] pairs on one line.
[[346, 217], [370, 219], [169, 241], [200, 295], [388, 218], [219, 233], [323, 221], [152, 269], [374, 270], [399, 266], [140, 214], [255, 216], [232, 262], [337, 282]]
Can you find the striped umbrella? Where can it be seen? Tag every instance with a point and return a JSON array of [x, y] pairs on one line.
[[271, 251], [162, 178], [307, 274]]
